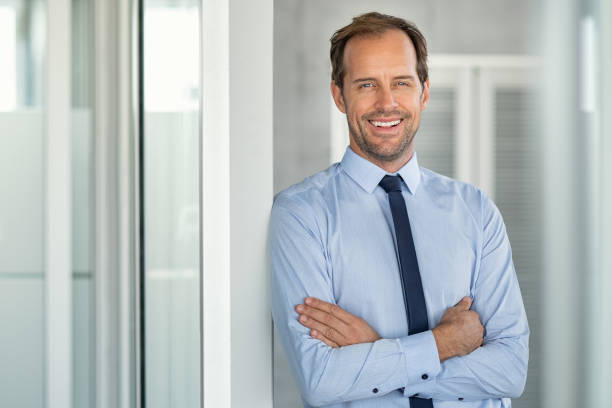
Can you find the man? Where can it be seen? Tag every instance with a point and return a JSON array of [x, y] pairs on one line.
[[393, 286]]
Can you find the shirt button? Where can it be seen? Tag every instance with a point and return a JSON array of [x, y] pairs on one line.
[[424, 376], [375, 390]]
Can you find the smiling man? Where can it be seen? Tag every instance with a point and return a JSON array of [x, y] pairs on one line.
[[393, 286]]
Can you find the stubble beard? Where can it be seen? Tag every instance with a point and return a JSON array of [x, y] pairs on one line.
[[381, 153]]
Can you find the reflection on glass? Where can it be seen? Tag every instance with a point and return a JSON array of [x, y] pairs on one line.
[[171, 203], [22, 152]]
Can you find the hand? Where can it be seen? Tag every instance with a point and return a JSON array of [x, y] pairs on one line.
[[333, 325], [459, 332]]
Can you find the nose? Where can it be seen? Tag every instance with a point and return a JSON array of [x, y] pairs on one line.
[[385, 99]]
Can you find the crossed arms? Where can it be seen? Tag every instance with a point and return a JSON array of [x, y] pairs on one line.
[[338, 357]]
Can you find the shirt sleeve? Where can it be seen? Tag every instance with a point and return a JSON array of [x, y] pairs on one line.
[[498, 369], [328, 375]]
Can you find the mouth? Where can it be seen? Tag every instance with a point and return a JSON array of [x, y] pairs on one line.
[[385, 123]]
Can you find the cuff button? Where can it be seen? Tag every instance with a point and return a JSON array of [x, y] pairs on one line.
[[375, 390], [424, 376]]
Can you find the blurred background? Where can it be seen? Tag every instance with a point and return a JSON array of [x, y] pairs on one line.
[[100, 131], [516, 96]]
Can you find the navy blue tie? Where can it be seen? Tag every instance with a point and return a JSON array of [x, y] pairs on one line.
[[414, 299]]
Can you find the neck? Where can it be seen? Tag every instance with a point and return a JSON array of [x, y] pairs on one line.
[[390, 166]]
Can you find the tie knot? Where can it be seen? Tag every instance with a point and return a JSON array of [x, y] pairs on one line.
[[391, 183]]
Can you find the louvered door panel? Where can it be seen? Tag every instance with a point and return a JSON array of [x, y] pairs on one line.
[[435, 140], [517, 194]]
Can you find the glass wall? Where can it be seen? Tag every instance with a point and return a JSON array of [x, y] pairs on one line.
[[171, 145], [171, 109], [22, 203]]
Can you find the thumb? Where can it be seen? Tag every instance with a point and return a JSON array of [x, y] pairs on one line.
[[464, 303]]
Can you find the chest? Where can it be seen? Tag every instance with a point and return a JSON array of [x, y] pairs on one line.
[[362, 260]]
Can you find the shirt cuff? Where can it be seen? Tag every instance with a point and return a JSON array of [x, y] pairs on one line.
[[421, 357]]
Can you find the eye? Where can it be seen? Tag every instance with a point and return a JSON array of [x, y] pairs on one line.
[[402, 83], [366, 85]]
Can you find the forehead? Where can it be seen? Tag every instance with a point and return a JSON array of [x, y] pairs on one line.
[[390, 51]]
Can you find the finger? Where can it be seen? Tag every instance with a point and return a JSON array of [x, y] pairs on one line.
[[475, 315], [316, 335], [326, 331], [325, 318], [465, 303], [330, 308]]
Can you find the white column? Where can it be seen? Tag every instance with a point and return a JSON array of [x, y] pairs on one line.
[[600, 371], [58, 233], [486, 133], [251, 190], [466, 168], [215, 207], [562, 274], [236, 199]]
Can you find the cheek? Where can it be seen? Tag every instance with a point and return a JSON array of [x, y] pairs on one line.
[[359, 106], [358, 112], [411, 103], [353, 113]]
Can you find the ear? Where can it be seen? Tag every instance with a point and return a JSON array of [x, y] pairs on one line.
[[337, 95], [425, 95]]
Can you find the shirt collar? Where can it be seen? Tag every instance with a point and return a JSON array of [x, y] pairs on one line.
[[368, 175]]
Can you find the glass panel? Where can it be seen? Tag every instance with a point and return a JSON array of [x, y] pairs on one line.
[[171, 203], [21, 354], [22, 156], [83, 318]]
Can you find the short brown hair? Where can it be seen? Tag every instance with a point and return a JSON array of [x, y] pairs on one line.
[[374, 23]]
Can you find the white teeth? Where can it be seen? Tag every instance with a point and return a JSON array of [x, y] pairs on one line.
[[385, 124]]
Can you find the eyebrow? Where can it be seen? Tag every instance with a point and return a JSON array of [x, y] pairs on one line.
[[405, 77]]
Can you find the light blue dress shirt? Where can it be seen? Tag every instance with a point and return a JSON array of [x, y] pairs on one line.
[[332, 237]]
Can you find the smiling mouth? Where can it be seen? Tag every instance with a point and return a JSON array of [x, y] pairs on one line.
[[385, 123]]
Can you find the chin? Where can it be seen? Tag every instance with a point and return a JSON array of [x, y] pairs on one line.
[[385, 155], [386, 150]]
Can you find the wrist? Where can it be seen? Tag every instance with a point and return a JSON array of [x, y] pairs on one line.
[[445, 350]]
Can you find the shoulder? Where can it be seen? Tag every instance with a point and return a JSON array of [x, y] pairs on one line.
[[308, 194], [470, 197], [306, 201]]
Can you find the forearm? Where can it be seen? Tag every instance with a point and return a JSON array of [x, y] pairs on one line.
[[496, 370], [328, 375]]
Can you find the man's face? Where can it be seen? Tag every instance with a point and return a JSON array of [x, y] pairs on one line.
[[382, 97]]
